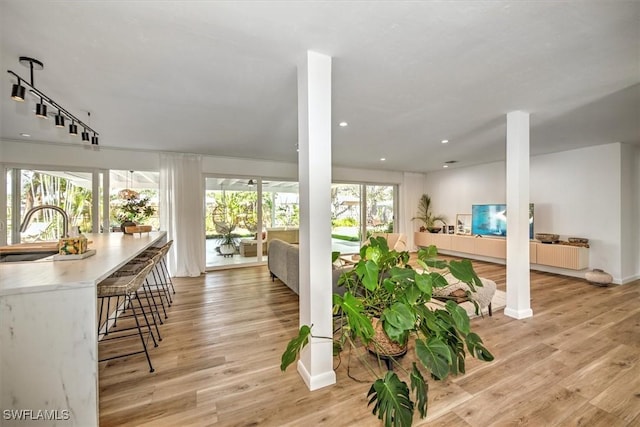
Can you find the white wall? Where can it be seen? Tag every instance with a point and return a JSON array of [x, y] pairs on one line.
[[576, 193], [630, 212]]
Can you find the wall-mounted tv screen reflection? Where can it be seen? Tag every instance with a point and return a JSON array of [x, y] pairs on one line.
[[491, 220]]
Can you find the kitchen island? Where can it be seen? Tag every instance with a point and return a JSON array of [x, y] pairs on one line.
[[48, 333]]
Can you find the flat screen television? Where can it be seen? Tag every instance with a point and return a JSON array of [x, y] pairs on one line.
[[491, 220]]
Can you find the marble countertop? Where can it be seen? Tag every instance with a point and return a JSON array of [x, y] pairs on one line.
[[113, 250]]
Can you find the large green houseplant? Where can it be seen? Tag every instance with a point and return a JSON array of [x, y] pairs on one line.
[[383, 286], [425, 214]]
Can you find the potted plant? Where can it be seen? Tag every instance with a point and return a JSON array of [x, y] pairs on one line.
[[133, 209], [427, 217], [383, 291], [227, 238]]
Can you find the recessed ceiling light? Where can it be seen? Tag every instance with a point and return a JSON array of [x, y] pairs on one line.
[[382, 159], [445, 166], [343, 124], [26, 135], [444, 141]]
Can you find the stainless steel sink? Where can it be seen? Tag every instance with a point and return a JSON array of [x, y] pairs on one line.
[[27, 256]]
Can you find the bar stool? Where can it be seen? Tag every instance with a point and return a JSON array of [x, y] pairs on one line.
[[125, 287], [134, 267], [161, 268]]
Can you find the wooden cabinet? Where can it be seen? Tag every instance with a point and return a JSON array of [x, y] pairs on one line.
[[495, 248], [463, 244], [441, 241], [562, 256]]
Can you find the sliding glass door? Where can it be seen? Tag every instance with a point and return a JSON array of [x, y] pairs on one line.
[[231, 221], [357, 211]]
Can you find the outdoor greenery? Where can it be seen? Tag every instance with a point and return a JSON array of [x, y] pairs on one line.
[[383, 286], [44, 189], [136, 209]]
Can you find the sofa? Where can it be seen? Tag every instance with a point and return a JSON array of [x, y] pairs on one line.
[[283, 263]]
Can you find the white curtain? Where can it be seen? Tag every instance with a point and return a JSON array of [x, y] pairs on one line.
[[413, 186], [181, 212]]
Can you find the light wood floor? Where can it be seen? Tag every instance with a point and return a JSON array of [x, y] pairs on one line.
[[575, 363]]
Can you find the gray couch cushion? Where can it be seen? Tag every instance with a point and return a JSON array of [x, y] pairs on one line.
[[284, 263]]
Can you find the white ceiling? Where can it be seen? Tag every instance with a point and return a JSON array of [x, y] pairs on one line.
[[219, 78]]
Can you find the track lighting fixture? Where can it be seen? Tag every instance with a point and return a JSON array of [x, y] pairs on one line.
[[18, 91], [41, 109], [59, 120]]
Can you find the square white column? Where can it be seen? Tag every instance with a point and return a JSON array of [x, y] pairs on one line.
[[314, 174], [518, 280]]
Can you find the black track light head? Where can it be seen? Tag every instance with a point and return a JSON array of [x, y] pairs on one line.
[[17, 92], [73, 128], [85, 136], [41, 110], [59, 120], [94, 139]]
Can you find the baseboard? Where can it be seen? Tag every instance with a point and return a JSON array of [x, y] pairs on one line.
[[318, 381], [629, 279], [518, 314]]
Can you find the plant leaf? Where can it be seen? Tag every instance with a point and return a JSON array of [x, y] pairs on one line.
[[412, 293], [353, 309], [435, 356], [463, 271], [334, 256], [438, 280], [421, 389], [424, 283], [400, 316], [429, 252], [374, 253], [368, 272], [460, 317], [479, 351], [392, 402], [294, 347]]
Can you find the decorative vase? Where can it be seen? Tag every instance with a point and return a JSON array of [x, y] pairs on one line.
[[434, 229], [598, 277]]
